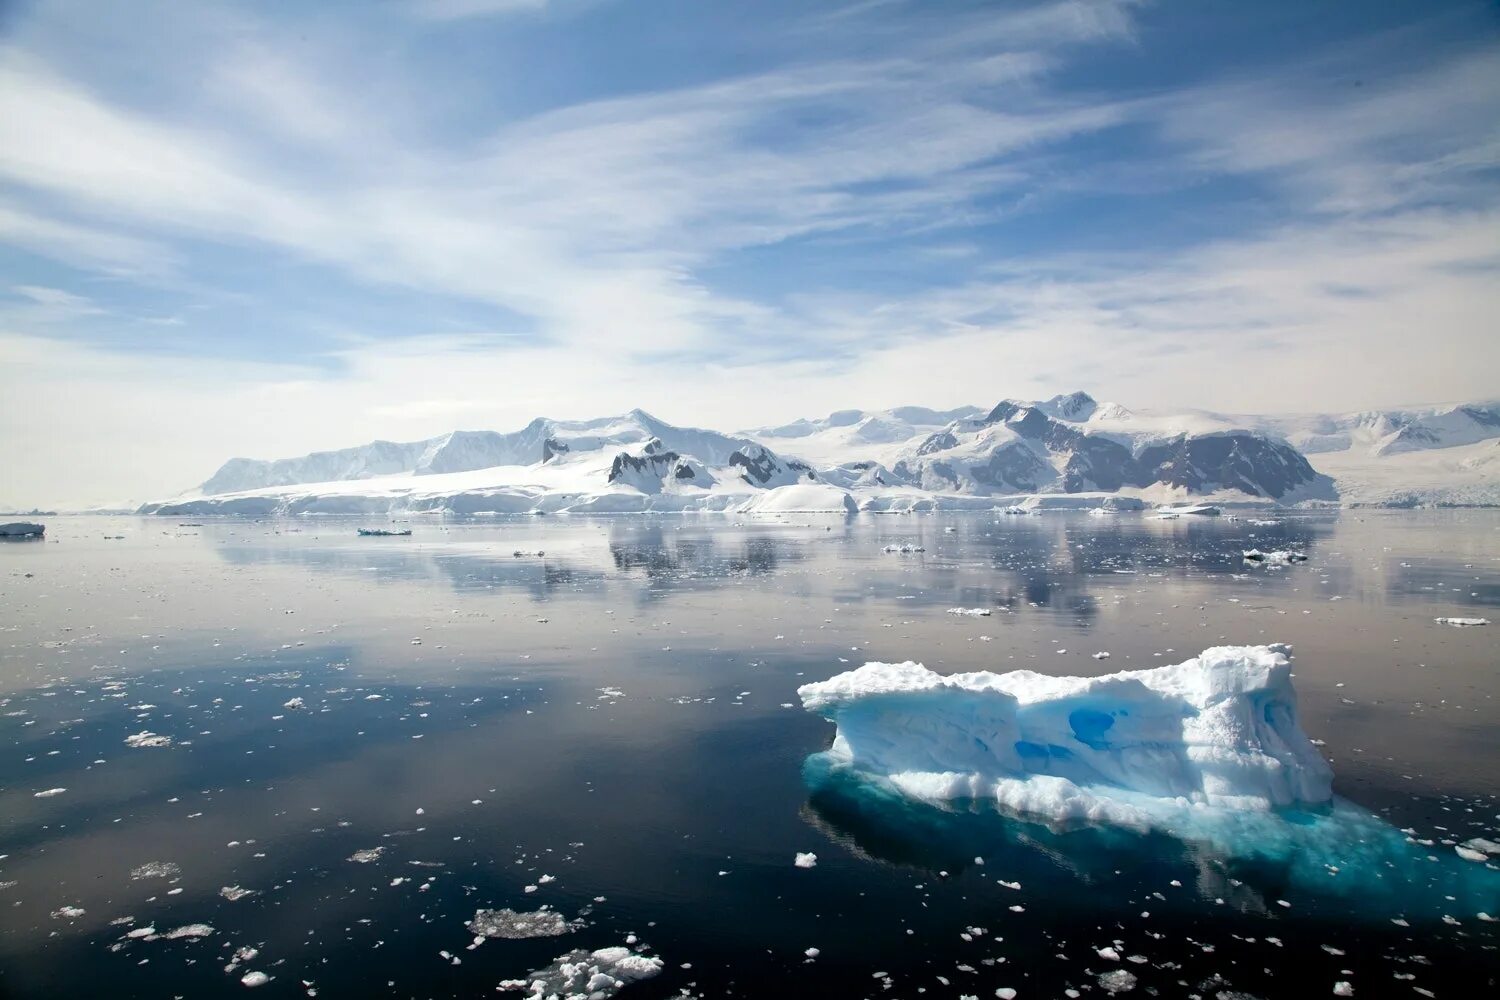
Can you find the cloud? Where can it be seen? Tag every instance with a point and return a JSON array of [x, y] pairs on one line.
[[889, 208], [459, 10]]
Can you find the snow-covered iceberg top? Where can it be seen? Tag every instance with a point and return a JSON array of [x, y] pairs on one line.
[[1219, 730]]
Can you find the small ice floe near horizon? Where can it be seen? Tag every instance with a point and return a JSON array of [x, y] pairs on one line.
[[384, 532], [1280, 557], [253, 979], [234, 893], [974, 612], [595, 975], [805, 859], [520, 553], [156, 869], [368, 854], [1194, 509], [294, 704], [68, 913], [907, 548], [1462, 622], [147, 739], [48, 793], [22, 529]]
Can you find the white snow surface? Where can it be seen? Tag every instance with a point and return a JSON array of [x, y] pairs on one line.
[[1219, 731]]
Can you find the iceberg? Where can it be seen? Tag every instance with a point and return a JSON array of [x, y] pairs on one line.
[[1219, 730], [22, 529], [1101, 773]]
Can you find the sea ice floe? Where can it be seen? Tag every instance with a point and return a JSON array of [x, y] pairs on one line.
[[147, 739], [973, 612], [596, 975], [805, 860], [1462, 622], [156, 869], [505, 923], [1281, 557], [367, 855]]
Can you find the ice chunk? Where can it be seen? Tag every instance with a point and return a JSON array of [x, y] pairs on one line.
[[972, 612], [511, 924], [1280, 557], [597, 975], [1462, 622], [146, 739], [1218, 730], [805, 860], [22, 529]]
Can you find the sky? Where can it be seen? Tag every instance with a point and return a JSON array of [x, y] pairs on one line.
[[262, 229]]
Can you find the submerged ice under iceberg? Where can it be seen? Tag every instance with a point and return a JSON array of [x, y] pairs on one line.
[[1219, 730]]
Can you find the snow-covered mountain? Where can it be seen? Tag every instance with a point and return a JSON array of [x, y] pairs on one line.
[[900, 459], [1070, 444]]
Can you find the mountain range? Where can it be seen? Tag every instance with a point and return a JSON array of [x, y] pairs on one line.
[[1070, 448]]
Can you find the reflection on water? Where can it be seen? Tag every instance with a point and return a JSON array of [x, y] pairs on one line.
[[615, 715]]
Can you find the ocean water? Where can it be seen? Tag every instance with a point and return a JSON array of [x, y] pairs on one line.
[[610, 729]]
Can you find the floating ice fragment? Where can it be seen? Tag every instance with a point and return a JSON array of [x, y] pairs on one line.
[[1118, 981], [68, 913], [193, 931], [367, 855], [1280, 557], [805, 860], [597, 975], [506, 923], [146, 739], [156, 869], [234, 893], [972, 612], [48, 793], [294, 703], [253, 979], [1462, 622], [1342, 988]]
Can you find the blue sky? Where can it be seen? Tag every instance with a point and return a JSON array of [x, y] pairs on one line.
[[265, 228]]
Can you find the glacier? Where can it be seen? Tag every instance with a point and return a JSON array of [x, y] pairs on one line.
[[1207, 753]]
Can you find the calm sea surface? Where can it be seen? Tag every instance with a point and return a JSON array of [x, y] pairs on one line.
[[610, 729]]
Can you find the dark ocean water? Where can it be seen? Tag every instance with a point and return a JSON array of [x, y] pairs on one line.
[[620, 714]]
